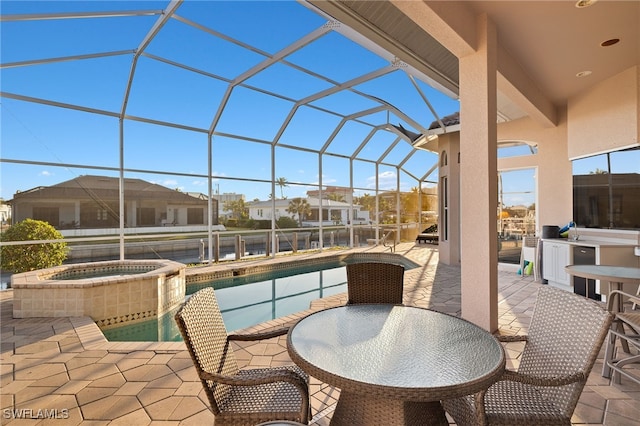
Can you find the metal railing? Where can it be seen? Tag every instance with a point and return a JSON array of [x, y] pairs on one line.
[[390, 232]]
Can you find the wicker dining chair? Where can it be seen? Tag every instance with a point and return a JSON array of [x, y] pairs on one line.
[[238, 396], [374, 282], [564, 338]]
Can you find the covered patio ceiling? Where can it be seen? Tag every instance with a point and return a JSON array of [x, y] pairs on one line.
[[549, 51]]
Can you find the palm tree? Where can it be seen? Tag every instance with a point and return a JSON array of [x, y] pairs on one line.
[[299, 206], [282, 182], [368, 202], [336, 197], [238, 208]]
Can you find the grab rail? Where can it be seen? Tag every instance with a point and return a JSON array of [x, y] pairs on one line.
[[384, 240]]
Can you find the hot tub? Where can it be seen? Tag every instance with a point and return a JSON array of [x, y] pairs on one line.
[[112, 292]]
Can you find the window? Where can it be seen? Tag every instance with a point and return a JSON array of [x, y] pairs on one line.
[[146, 216], [516, 203], [195, 216], [444, 232], [516, 149], [47, 214], [444, 161], [606, 190]]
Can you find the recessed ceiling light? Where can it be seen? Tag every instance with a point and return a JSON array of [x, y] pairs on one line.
[[583, 73], [585, 3], [610, 42]]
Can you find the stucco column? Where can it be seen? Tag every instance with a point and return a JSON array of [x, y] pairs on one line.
[[478, 180]]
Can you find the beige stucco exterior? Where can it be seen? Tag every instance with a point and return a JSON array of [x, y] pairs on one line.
[[554, 173], [449, 170], [606, 117], [593, 123], [479, 177], [554, 176]]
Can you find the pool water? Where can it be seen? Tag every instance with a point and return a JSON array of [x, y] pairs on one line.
[[249, 300]]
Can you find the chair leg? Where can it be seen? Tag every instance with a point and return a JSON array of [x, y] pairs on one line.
[[625, 344], [609, 353], [615, 366]]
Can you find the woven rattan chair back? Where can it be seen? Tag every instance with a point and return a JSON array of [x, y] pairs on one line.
[[375, 282], [565, 336], [203, 330], [562, 344]]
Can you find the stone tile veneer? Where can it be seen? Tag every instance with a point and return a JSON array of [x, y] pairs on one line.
[[137, 290]]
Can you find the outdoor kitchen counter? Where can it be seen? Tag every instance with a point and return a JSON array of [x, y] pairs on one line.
[[602, 252]]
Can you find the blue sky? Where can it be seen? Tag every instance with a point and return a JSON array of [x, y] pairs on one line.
[[214, 42]]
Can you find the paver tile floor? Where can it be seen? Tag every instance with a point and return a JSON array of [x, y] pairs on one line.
[[61, 371]]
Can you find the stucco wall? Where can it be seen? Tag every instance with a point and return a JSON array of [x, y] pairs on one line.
[[554, 202], [606, 117], [554, 172], [449, 247]]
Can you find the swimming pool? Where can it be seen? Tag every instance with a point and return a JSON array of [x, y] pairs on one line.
[[252, 299]]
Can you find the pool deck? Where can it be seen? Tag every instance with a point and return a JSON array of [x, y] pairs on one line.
[[66, 367]]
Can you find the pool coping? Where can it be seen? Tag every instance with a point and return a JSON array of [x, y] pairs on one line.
[[228, 270]]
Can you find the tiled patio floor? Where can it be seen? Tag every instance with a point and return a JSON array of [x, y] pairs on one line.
[[63, 366]]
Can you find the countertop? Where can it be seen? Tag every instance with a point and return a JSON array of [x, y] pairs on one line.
[[591, 242]]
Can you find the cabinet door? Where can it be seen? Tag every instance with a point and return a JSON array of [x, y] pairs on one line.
[[548, 261], [562, 259], [555, 256]]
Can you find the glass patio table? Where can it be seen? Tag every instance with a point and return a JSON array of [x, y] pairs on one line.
[[393, 363], [616, 276]]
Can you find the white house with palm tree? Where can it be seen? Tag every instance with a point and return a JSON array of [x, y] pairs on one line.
[[333, 212]]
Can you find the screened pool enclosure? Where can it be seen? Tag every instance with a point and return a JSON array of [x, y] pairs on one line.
[[262, 126]]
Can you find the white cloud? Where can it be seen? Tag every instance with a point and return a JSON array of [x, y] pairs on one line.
[[386, 181]]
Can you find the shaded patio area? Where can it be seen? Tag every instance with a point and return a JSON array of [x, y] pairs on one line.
[[63, 367]]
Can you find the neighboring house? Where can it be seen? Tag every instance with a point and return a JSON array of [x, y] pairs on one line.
[[519, 210], [225, 198], [341, 193], [93, 202], [333, 212], [5, 212]]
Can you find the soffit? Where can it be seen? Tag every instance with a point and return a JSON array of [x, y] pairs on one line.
[[552, 41], [384, 24]]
